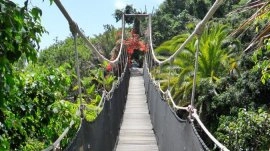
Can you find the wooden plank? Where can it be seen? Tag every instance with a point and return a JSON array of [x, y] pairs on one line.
[[136, 133]]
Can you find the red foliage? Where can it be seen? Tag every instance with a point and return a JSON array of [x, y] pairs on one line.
[[132, 43]]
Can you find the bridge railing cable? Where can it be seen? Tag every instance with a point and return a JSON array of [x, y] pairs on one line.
[[120, 63], [77, 68], [151, 60], [75, 28], [220, 145], [106, 96], [197, 31], [172, 132]]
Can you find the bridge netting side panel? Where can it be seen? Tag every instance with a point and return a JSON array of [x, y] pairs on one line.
[[102, 133], [172, 133]]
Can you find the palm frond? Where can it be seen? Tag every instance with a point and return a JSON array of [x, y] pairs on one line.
[[261, 11]]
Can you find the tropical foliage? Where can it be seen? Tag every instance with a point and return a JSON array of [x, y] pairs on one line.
[[108, 40], [232, 95], [233, 70], [249, 129], [135, 45], [39, 91], [212, 62]]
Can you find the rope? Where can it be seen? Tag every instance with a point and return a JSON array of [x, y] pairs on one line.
[[173, 103], [199, 137], [56, 143], [197, 31], [192, 106], [194, 115], [170, 75], [76, 31], [222, 147], [74, 28], [78, 72], [195, 71]]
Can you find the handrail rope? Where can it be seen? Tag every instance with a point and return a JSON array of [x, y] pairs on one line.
[[75, 28], [167, 92], [78, 72], [199, 137], [197, 31], [122, 76], [197, 118], [195, 71], [52, 146], [170, 74], [105, 93], [194, 115], [74, 34]]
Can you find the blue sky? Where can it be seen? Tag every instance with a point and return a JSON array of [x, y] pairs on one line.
[[90, 15]]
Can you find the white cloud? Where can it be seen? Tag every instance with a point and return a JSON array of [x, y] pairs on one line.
[[119, 4]]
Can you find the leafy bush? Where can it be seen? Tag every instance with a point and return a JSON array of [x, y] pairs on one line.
[[26, 113], [249, 130]]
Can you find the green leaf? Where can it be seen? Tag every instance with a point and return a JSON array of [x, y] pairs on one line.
[[91, 89], [36, 12]]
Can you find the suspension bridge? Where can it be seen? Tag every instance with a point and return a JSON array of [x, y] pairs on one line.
[[136, 114]]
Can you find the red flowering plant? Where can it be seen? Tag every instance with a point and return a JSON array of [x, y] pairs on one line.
[[133, 44]]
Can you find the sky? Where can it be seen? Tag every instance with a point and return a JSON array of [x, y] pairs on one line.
[[90, 15]]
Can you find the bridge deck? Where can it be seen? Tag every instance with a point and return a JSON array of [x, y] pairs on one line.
[[136, 132]]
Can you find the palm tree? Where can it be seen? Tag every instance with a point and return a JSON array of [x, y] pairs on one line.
[[213, 62], [257, 23]]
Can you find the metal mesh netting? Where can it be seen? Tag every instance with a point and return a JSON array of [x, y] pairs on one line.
[[172, 133], [102, 133]]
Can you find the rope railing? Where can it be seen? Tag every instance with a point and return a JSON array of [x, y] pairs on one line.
[[169, 127], [197, 118], [195, 71], [105, 96], [57, 142], [193, 112], [75, 28], [166, 93], [173, 103], [197, 31], [150, 57], [121, 57]]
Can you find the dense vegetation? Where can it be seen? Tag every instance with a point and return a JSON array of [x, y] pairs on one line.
[[38, 93], [232, 95], [233, 75]]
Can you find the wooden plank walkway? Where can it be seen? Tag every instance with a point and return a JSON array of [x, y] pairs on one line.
[[136, 132]]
